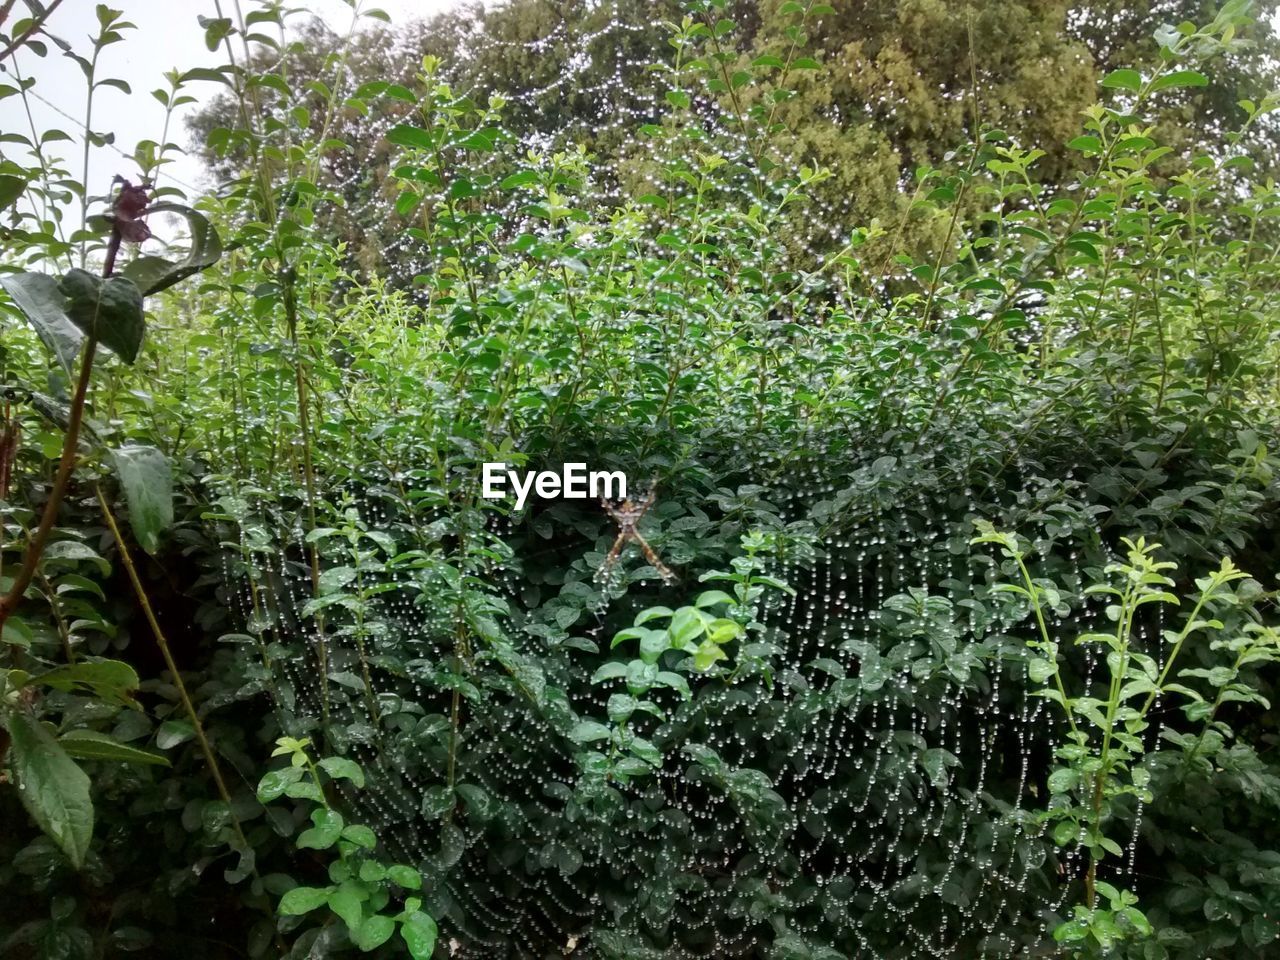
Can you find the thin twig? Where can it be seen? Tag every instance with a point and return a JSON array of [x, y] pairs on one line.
[[36, 26]]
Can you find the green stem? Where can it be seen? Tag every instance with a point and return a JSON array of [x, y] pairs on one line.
[[1034, 593]]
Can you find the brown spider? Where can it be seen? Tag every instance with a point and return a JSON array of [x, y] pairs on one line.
[[627, 516]]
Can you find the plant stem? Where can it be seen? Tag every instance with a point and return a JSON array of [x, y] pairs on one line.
[[1177, 645], [187, 705], [70, 446], [36, 25], [145, 603], [1034, 592]]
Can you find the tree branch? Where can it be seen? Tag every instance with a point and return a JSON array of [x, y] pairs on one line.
[[36, 26]]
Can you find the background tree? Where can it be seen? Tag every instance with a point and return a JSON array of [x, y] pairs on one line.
[[897, 87]]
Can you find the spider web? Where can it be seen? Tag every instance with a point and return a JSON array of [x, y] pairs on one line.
[[875, 793]]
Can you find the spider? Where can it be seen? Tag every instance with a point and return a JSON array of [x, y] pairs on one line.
[[627, 516]]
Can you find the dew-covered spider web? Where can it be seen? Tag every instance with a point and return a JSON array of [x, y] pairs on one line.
[[868, 785]]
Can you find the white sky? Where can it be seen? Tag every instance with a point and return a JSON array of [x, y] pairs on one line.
[[168, 36]]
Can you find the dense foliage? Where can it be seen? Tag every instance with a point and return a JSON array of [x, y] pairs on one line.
[[948, 628], [889, 88]]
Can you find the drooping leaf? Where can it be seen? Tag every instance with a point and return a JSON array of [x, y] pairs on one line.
[[147, 482], [174, 732], [53, 789], [16, 632], [109, 310], [342, 767], [41, 302], [348, 903], [11, 188], [112, 681], [56, 412], [92, 745], [153, 274]]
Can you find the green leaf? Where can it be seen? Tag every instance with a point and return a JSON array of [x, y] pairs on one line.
[[348, 903], [109, 310], [41, 302], [325, 833], [11, 189], [1063, 779], [304, 790], [686, 626], [1070, 931], [373, 933], [342, 768], [403, 876], [609, 671], [479, 804], [152, 274], [274, 783], [419, 933], [707, 654], [408, 136], [723, 630], [1040, 670], [334, 579], [360, 835], [16, 632], [75, 550], [437, 801], [147, 482], [588, 731], [1180, 78], [1123, 80], [935, 762], [215, 29], [652, 613], [174, 732], [92, 745], [53, 789], [205, 73], [302, 900], [111, 681], [371, 871], [1110, 846], [653, 645], [710, 598]]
